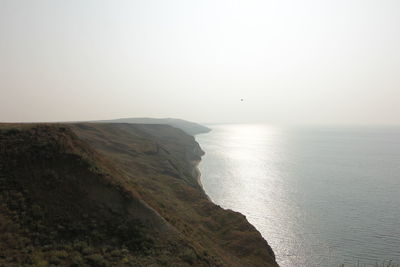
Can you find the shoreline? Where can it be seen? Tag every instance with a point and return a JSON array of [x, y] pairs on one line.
[[197, 174]]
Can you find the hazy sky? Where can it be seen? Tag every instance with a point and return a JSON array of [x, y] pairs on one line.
[[330, 62]]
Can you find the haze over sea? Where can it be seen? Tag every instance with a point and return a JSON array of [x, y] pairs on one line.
[[321, 196]]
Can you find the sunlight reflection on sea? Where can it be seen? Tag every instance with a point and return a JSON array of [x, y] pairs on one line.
[[321, 197]]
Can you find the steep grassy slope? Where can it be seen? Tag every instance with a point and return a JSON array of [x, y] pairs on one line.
[[113, 195], [159, 162], [64, 204]]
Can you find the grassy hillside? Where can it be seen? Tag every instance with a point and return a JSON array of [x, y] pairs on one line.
[[113, 195]]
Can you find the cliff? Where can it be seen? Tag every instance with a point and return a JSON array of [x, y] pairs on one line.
[[91, 194]]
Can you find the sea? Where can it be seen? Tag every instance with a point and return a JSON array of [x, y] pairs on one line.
[[320, 196]]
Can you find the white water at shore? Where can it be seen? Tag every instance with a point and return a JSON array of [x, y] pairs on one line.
[[320, 196]]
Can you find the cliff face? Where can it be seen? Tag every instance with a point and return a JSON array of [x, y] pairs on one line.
[[113, 194]]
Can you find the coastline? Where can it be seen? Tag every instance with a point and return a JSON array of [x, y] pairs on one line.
[[197, 174], [178, 222], [196, 164]]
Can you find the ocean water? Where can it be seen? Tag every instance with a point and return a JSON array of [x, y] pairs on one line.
[[320, 196]]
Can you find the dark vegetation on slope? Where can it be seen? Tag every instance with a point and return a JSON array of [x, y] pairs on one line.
[[113, 195]]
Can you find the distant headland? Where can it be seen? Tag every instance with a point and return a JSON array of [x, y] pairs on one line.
[[188, 127]]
